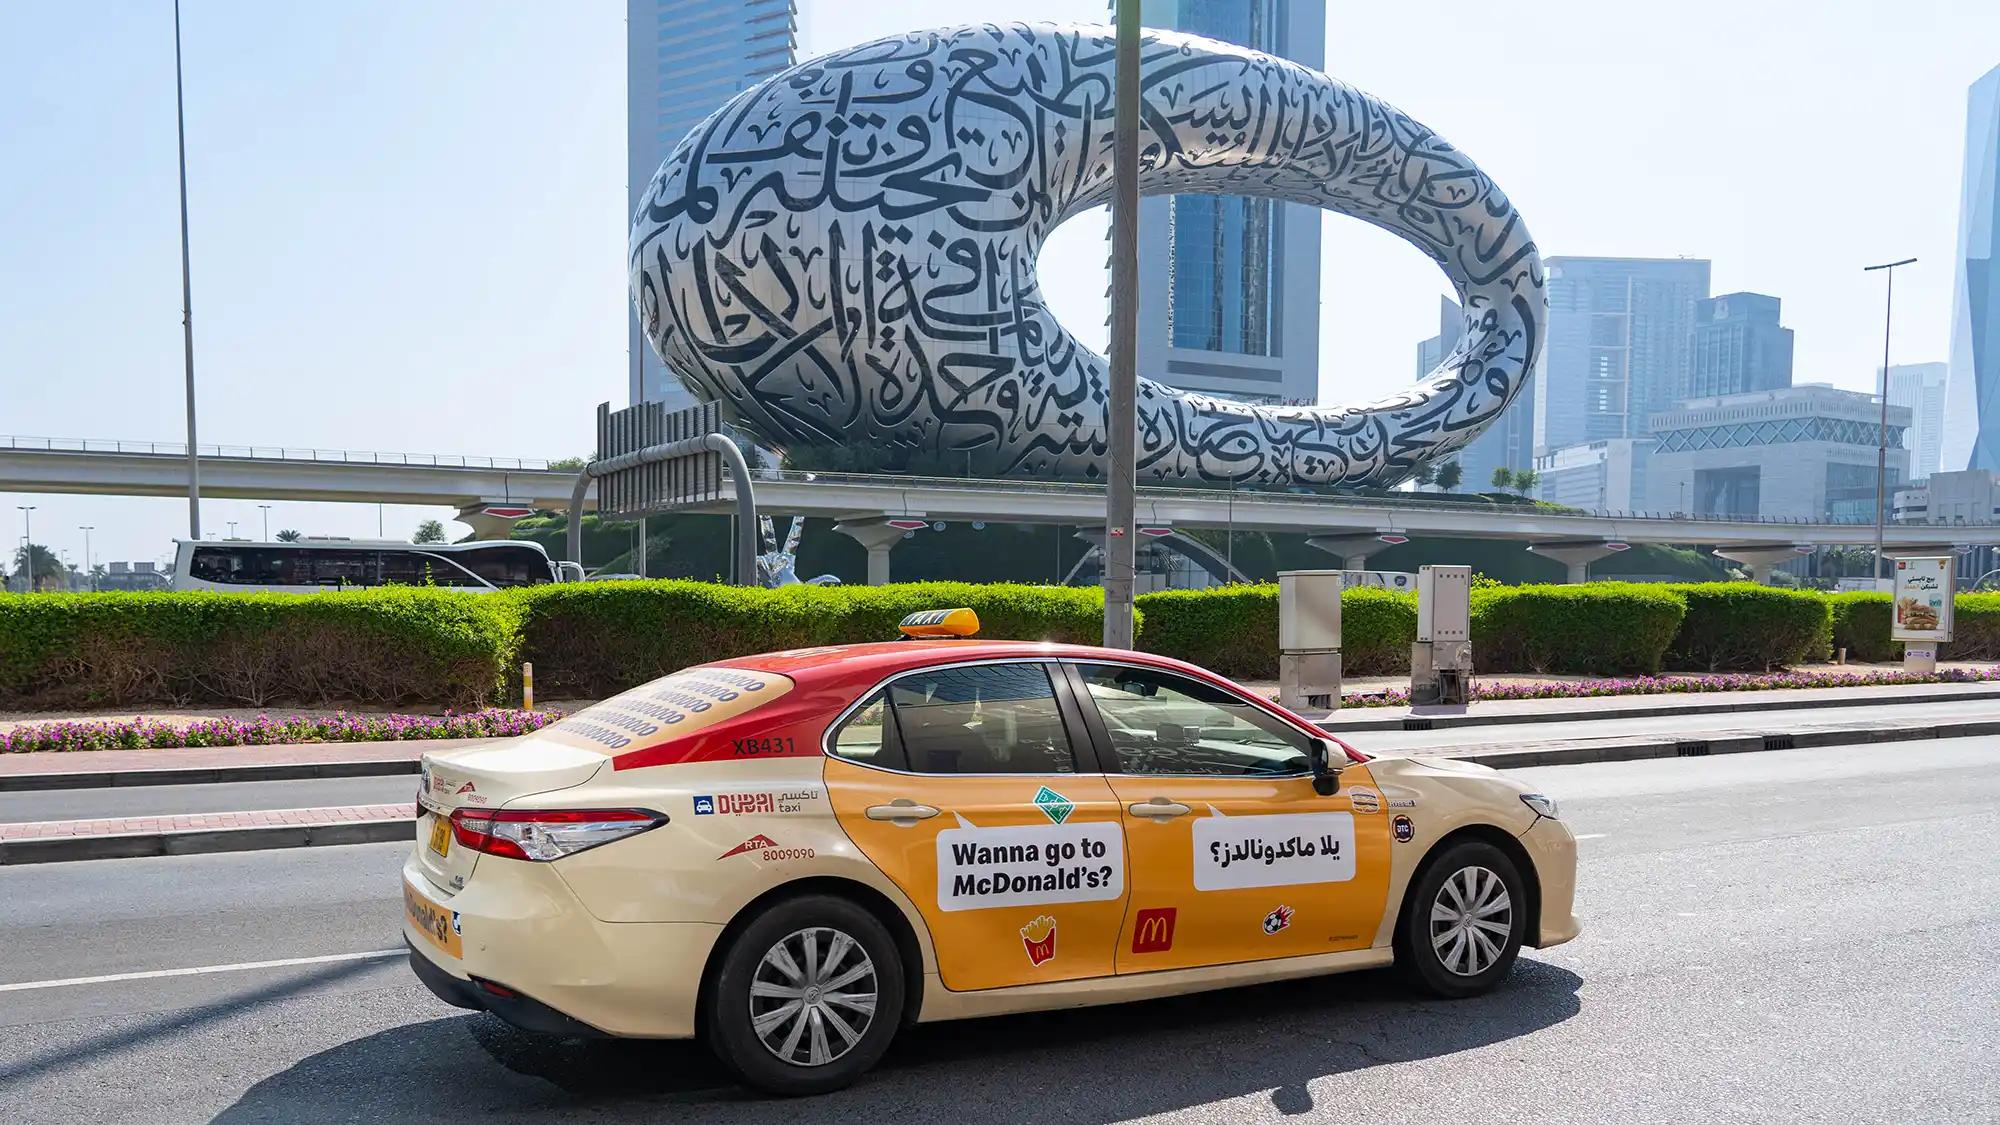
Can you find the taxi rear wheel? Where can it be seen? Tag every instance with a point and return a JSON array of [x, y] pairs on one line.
[[807, 998], [1464, 921]]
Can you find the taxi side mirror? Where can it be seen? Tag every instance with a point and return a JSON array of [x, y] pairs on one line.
[[1326, 779]]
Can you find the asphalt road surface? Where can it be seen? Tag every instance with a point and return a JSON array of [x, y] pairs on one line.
[[1804, 935]]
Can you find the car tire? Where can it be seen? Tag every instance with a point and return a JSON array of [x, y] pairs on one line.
[[1463, 921], [770, 1010]]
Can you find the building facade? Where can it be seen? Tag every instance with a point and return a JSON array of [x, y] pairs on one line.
[[1972, 414], [1509, 441], [1604, 476], [1229, 285], [1620, 346], [1797, 453], [1921, 388], [1966, 496], [1739, 346], [683, 59]]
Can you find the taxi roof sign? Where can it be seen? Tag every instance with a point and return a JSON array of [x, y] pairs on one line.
[[940, 623]]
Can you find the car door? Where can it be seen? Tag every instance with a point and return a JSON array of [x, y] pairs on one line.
[[974, 788], [1234, 857]]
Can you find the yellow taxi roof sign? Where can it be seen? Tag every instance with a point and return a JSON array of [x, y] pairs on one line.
[[941, 623]]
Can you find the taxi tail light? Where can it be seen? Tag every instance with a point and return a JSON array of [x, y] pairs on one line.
[[540, 835]]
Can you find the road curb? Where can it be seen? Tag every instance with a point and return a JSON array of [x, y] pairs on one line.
[[1694, 746], [1716, 707], [204, 841], [205, 775]]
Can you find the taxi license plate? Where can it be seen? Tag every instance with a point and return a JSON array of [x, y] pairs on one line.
[[438, 925], [440, 834]]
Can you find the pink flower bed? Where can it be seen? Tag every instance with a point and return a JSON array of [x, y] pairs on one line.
[[1677, 685], [151, 734]]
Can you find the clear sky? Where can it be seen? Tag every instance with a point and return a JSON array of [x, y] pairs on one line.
[[409, 215]]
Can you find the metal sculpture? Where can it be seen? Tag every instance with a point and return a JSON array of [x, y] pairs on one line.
[[776, 566], [845, 253]]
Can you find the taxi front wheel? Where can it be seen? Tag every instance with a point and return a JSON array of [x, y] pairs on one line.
[[1464, 921], [807, 997]]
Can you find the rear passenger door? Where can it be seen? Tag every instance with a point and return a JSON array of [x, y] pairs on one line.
[[973, 787]]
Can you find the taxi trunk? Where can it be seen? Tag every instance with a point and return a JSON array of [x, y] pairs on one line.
[[485, 779]]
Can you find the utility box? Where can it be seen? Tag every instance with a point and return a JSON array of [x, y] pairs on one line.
[[1441, 658], [1309, 639]]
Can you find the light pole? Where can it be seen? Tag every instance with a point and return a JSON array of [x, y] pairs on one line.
[[267, 521], [1122, 427], [89, 567], [28, 543], [232, 529], [1882, 427], [187, 289]]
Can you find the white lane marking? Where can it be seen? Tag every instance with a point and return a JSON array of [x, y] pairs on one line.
[[240, 966], [1593, 835]]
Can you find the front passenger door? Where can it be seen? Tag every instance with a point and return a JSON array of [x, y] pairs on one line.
[[1234, 856]]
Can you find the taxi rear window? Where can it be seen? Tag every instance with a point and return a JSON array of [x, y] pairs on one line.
[[668, 708]]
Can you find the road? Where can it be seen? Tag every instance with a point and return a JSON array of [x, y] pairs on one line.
[[1807, 935]]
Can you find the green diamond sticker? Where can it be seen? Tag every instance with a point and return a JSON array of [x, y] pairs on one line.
[[1053, 804]]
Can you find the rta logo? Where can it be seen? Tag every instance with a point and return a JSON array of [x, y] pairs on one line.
[[1153, 931]]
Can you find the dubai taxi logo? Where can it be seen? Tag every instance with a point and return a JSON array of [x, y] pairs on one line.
[[1054, 805], [1154, 930], [1039, 939], [728, 804], [1277, 919]]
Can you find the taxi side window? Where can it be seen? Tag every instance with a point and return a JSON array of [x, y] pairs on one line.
[[1161, 723], [869, 736], [981, 718]]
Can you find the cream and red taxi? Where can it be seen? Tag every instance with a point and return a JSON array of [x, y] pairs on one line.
[[793, 856]]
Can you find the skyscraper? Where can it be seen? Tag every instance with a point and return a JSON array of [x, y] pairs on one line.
[[683, 59], [1739, 346], [1510, 441], [1229, 286], [1620, 345], [1921, 387], [1972, 413]]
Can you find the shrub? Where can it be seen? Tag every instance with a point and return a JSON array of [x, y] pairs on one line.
[[1234, 629], [595, 639], [1861, 625], [377, 647], [1601, 627], [1742, 626]]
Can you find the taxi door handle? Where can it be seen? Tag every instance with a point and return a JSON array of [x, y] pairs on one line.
[[901, 811], [1160, 809]]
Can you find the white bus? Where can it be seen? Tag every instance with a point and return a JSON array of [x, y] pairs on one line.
[[311, 565]]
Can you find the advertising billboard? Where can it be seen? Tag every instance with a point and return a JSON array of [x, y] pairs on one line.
[[1922, 600]]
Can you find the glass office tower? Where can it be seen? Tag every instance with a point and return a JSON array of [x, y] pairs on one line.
[[1972, 413]]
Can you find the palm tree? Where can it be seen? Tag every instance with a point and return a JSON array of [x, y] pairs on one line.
[[37, 567], [289, 536]]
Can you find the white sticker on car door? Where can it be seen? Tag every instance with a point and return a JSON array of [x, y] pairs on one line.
[[1285, 850], [1030, 865]]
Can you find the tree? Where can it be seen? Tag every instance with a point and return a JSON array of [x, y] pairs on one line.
[[37, 567], [1525, 480], [1426, 475], [289, 536], [568, 464], [1503, 477], [1449, 476], [429, 531]]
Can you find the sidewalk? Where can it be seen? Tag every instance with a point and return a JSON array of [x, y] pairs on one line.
[[199, 764]]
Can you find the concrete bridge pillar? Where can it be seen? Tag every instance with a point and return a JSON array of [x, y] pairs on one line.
[[1762, 560], [1577, 556], [492, 519], [878, 535], [1350, 547]]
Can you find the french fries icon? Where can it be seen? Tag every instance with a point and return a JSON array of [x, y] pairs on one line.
[[1039, 939]]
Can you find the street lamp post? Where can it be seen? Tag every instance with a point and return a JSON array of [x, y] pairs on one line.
[[28, 543], [187, 290], [267, 521], [232, 529], [89, 566], [1882, 427], [1122, 428]]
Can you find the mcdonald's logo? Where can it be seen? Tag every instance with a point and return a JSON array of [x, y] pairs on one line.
[[1153, 932]]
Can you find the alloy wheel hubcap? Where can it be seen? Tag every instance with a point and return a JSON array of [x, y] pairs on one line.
[[1472, 919], [812, 997]]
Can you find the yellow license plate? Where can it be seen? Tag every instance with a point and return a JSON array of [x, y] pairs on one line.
[[440, 834], [438, 925]]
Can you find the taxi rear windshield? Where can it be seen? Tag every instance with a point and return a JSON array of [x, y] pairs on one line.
[[668, 708]]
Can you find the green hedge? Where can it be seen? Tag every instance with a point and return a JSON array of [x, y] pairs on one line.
[[598, 638], [1234, 629], [1861, 626], [1593, 627], [384, 647], [1742, 626]]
